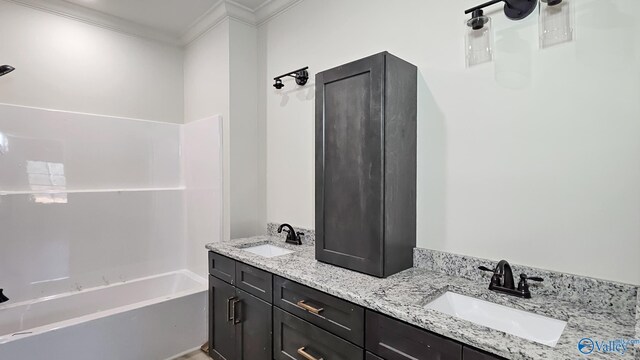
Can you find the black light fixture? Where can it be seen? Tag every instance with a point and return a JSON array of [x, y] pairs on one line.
[[552, 2], [301, 76], [5, 69], [514, 9]]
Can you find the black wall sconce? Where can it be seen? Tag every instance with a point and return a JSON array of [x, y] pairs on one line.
[[301, 76], [5, 69], [514, 9]]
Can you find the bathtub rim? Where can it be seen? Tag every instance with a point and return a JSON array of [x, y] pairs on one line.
[[200, 286]]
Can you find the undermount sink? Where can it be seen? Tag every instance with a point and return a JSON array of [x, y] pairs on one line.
[[534, 327], [267, 250]]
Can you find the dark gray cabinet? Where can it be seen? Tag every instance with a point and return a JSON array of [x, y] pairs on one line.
[[294, 338], [338, 316], [366, 165], [239, 322], [394, 340], [473, 354], [221, 327], [253, 327], [255, 315]]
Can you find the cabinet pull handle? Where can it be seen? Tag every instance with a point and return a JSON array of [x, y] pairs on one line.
[[306, 355], [309, 308], [238, 318], [229, 313]]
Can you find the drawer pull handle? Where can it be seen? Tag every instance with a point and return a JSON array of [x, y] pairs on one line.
[[306, 355], [229, 313], [309, 308], [237, 315]]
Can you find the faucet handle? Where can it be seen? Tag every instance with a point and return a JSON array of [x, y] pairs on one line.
[[532, 278], [495, 279]]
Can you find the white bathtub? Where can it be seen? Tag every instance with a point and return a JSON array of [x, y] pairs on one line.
[[152, 318]]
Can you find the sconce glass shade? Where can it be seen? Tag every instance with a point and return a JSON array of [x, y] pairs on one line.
[[555, 23], [478, 42]]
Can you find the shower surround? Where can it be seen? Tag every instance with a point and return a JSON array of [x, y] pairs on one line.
[[93, 202]]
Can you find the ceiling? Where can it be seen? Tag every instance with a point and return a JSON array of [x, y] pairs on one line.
[[177, 22], [171, 17]]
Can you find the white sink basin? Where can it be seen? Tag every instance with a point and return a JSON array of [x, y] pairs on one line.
[[540, 329], [268, 251]]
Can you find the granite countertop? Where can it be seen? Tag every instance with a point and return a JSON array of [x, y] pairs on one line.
[[404, 296]]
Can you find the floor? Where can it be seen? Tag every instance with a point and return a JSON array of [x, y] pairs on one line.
[[196, 355]]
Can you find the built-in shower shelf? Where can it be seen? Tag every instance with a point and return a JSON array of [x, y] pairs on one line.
[[87, 191]]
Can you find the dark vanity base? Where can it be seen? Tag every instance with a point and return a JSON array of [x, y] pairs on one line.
[[255, 315]]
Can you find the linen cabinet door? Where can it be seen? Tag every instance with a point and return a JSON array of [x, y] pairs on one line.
[[349, 165]]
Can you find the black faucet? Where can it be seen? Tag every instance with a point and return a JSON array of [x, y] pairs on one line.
[[293, 237], [502, 280], [2, 297]]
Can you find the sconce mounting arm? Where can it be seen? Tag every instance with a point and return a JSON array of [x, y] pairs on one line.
[[513, 9], [301, 76]]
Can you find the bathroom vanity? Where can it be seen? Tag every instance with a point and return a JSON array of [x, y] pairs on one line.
[[286, 305], [256, 315]]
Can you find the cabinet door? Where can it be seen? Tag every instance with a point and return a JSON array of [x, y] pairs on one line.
[[252, 320], [349, 165], [370, 356], [294, 338], [473, 354], [395, 340], [328, 312], [221, 327]]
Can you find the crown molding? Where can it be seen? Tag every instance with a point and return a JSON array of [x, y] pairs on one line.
[[225, 9], [272, 8], [99, 19], [219, 12]]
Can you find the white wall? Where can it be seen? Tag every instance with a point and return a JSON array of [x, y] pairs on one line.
[[533, 158], [68, 65], [202, 162], [206, 92], [221, 79], [247, 187]]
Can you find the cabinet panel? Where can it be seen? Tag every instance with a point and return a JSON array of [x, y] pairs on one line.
[[335, 315], [254, 281], [366, 165], [370, 356], [473, 354], [294, 338], [222, 267], [395, 340], [349, 170], [221, 327], [253, 327]]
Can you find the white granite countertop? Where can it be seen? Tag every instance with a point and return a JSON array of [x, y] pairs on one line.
[[404, 296]]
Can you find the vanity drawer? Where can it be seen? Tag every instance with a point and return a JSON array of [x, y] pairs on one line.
[[328, 312], [370, 356], [254, 281], [473, 354], [294, 338], [395, 340], [222, 267]]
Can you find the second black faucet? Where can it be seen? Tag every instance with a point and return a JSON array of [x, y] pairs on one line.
[[502, 280], [293, 237]]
